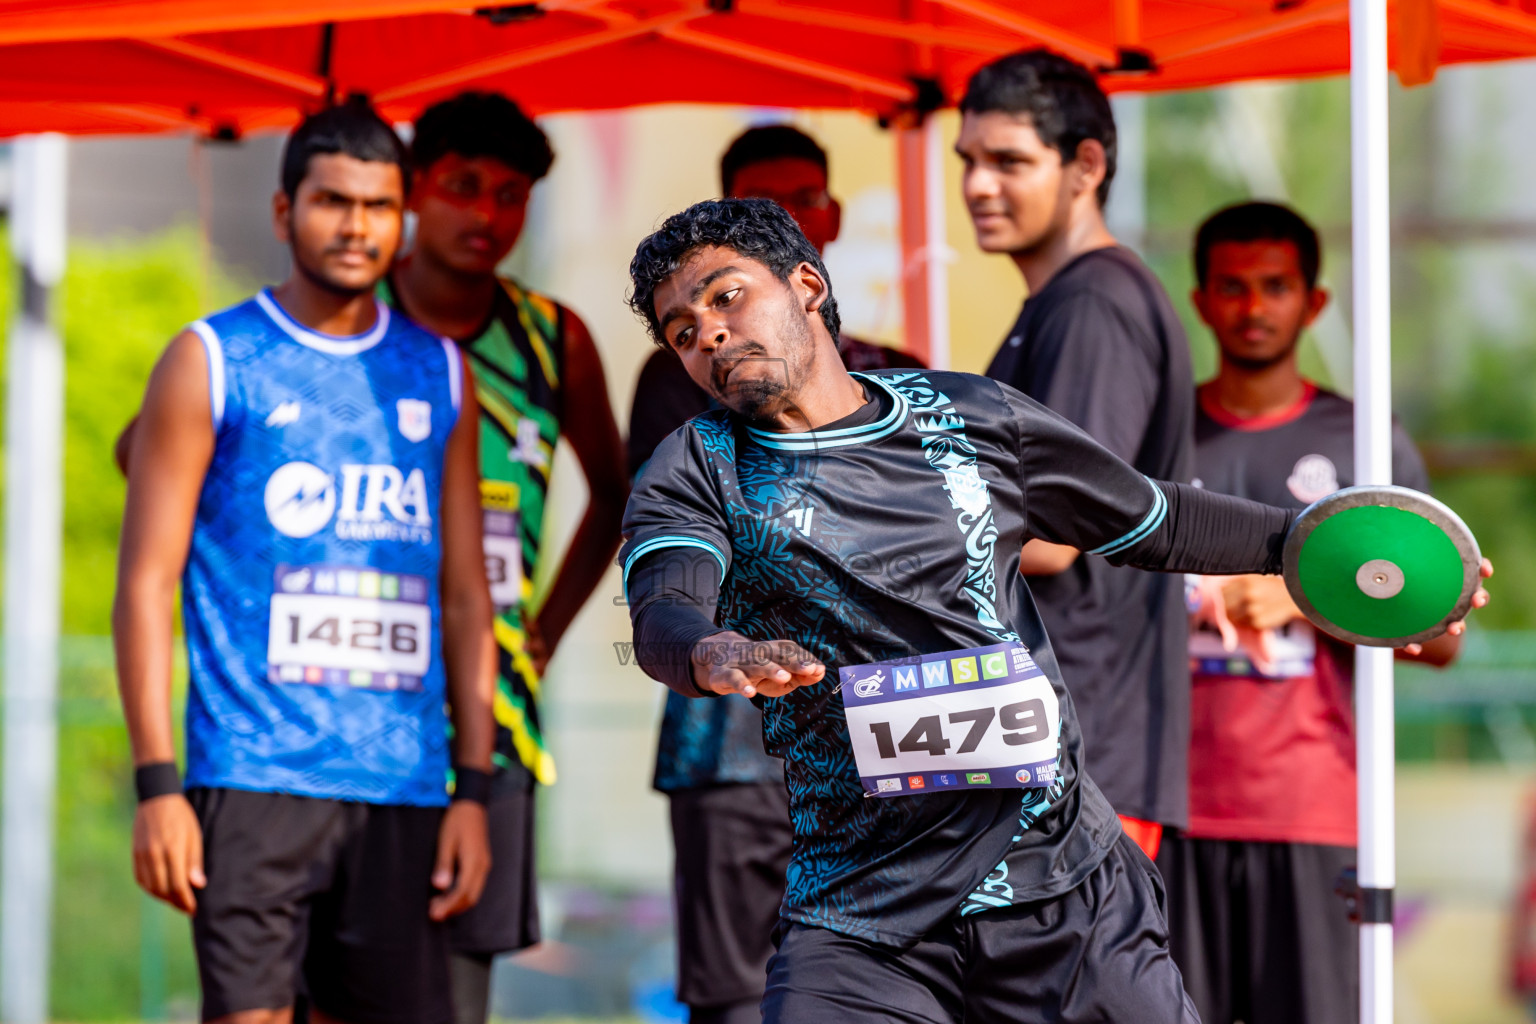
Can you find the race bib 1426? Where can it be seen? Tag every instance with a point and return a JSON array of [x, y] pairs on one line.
[[983, 718], [349, 626]]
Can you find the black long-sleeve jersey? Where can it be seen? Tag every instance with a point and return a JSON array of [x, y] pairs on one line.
[[892, 534]]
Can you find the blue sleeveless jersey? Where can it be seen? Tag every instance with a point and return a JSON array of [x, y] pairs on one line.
[[310, 598]]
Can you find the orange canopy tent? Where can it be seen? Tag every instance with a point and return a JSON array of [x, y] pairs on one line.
[[222, 69], [225, 68]]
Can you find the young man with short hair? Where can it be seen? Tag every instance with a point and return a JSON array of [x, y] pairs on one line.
[[1098, 342], [305, 466], [834, 545], [1255, 925], [538, 379], [730, 819]]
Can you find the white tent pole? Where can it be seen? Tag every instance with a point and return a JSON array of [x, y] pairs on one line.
[[33, 526], [1375, 753]]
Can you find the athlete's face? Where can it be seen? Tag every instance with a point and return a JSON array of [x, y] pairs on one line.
[[1256, 301], [800, 186], [745, 337], [343, 223], [469, 212], [1017, 189]]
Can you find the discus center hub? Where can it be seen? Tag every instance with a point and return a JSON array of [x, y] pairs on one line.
[[1380, 579]]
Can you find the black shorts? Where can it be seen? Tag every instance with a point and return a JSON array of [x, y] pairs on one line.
[[733, 845], [324, 896], [1096, 954], [507, 916], [1259, 933]]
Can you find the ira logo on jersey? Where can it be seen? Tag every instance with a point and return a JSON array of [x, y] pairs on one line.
[[377, 502]]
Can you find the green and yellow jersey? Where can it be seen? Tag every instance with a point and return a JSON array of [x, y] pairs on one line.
[[518, 359]]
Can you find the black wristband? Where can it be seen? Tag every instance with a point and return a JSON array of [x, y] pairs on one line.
[[158, 779], [471, 784]]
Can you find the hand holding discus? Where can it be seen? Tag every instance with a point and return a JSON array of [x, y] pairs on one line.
[[1384, 567], [731, 663]]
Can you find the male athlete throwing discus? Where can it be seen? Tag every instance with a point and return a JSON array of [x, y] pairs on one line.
[[844, 549], [305, 465], [729, 809]]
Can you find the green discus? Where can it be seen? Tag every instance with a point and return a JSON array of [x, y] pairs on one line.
[[1381, 566]]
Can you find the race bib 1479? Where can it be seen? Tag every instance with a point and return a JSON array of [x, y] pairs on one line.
[[349, 626], [983, 718]]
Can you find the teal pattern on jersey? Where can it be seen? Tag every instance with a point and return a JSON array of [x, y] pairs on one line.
[[310, 596]]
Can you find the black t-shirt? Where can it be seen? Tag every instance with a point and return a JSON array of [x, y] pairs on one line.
[[1294, 457], [891, 538], [1101, 345]]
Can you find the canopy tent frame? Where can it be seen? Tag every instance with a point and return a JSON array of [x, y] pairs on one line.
[[1177, 51]]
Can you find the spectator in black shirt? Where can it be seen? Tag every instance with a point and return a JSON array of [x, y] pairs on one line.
[[1098, 342]]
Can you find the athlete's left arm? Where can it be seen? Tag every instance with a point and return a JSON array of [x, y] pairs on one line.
[[469, 657], [587, 422], [1079, 493]]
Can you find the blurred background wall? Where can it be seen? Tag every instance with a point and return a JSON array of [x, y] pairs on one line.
[[165, 229]]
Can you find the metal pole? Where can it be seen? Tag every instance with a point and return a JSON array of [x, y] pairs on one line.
[[924, 249], [936, 245], [1126, 213], [33, 525], [1375, 753]]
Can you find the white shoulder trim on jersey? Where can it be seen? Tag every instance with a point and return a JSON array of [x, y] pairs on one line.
[[1154, 518], [455, 371], [215, 352], [821, 440], [328, 343]]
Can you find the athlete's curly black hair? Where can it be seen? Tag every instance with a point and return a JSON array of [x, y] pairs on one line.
[[476, 124], [758, 229]]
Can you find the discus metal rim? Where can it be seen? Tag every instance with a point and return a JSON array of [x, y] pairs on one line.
[[1387, 496]]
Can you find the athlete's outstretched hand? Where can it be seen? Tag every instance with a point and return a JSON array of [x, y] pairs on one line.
[[731, 663], [168, 851], [463, 860], [1459, 627]]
